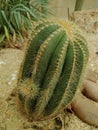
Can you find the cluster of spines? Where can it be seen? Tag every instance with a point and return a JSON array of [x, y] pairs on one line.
[[53, 67]]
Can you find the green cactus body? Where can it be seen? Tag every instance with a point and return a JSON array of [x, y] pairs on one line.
[[45, 29], [52, 69]]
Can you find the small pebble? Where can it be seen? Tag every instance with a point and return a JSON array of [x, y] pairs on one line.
[[1, 62], [97, 52]]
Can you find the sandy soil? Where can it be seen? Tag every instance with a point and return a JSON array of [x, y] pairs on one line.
[[10, 116]]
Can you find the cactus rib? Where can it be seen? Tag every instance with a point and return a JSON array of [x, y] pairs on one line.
[[26, 67], [52, 76]]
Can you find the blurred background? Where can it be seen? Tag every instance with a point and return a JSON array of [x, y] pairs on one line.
[[61, 7]]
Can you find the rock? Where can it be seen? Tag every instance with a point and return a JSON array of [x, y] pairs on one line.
[[87, 20]]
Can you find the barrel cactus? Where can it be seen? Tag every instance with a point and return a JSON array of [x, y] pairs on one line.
[[52, 69]]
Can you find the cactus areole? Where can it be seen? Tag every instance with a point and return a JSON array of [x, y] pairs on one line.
[[52, 69]]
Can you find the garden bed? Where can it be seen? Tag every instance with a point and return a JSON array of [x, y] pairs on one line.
[[10, 116]]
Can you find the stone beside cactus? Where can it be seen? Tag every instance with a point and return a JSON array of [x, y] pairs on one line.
[[52, 69]]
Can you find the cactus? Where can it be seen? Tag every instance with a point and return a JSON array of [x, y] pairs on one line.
[[52, 69]]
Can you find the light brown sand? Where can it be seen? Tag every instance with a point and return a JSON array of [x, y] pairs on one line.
[[10, 117]]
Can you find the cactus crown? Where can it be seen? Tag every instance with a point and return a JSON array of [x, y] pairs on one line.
[[52, 69]]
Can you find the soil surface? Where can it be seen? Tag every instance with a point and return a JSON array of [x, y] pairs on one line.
[[10, 116]]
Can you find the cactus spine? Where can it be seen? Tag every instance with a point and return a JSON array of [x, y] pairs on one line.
[[52, 69]]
